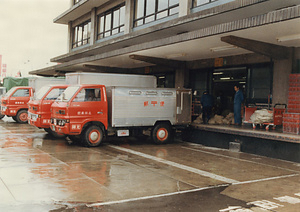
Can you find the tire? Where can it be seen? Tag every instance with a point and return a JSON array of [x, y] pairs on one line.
[[162, 133], [1, 116], [22, 116], [14, 118], [92, 136]]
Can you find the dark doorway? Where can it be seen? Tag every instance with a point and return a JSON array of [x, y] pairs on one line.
[[223, 82]]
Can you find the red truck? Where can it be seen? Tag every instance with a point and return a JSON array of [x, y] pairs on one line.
[[39, 106], [14, 103], [87, 113]]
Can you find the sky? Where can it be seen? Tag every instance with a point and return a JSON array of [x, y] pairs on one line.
[[28, 36]]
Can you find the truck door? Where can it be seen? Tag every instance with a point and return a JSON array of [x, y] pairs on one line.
[[88, 105], [20, 98], [183, 106]]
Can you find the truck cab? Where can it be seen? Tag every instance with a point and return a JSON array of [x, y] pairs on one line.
[[15, 103], [81, 110], [39, 106]]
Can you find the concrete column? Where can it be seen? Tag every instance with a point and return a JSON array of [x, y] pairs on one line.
[[181, 78], [129, 13], [93, 26], [71, 3], [281, 71], [185, 7]]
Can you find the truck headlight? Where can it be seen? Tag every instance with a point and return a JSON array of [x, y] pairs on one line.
[[62, 122]]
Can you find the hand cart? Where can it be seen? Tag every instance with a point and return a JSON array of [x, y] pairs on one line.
[[248, 113], [278, 111]]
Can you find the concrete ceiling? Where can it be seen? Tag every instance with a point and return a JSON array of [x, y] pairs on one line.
[[201, 48]]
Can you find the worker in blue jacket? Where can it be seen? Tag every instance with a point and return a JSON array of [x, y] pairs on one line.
[[207, 102], [237, 105]]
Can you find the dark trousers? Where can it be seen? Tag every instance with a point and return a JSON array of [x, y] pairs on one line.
[[237, 114], [206, 113]]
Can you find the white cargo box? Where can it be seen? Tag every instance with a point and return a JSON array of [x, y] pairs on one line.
[[130, 107], [37, 82], [124, 80]]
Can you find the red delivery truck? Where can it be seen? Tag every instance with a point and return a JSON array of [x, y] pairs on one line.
[[90, 112], [39, 106], [14, 103]]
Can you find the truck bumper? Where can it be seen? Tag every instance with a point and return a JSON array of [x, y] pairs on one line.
[[38, 120], [8, 112], [62, 129]]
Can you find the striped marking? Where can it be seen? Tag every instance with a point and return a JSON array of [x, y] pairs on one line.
[[177, 165], [151, 197]]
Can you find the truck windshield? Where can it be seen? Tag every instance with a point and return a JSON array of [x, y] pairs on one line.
[[68, 93], [10, 92], [40, 93]]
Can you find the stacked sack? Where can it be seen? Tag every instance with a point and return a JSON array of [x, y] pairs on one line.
[[262, 116], [217, 119]]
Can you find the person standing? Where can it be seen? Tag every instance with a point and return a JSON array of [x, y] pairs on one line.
[[237, 105], [207, 102]]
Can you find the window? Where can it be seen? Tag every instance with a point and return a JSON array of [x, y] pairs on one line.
[[54, 94], [197, 3], [88, 95], [82, 34], [111, 22], [147, 11], [21, 93]]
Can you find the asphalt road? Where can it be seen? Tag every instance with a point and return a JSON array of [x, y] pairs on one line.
[[40, 173]]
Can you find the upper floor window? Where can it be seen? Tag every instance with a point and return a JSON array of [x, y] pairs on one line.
[[111, 22], [82, 34], [147, 11], [197, 3]]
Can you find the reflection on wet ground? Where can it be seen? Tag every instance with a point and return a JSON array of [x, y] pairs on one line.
[[39, 173]]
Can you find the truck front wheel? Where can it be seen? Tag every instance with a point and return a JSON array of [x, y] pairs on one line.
[[1, 116], [162, 133], [22, 116], [92, 136]]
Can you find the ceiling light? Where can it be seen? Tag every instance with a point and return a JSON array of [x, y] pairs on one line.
[[225, 78], [223, 48], [218, 73], [288, 38]]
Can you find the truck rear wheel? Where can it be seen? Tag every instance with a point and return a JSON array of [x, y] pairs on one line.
[[92, 136], [162, 133], [22, 116]]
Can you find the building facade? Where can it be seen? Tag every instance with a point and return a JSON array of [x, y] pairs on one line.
[[199, 44]]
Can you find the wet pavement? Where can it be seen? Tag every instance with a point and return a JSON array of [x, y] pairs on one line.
[[39, 173]]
